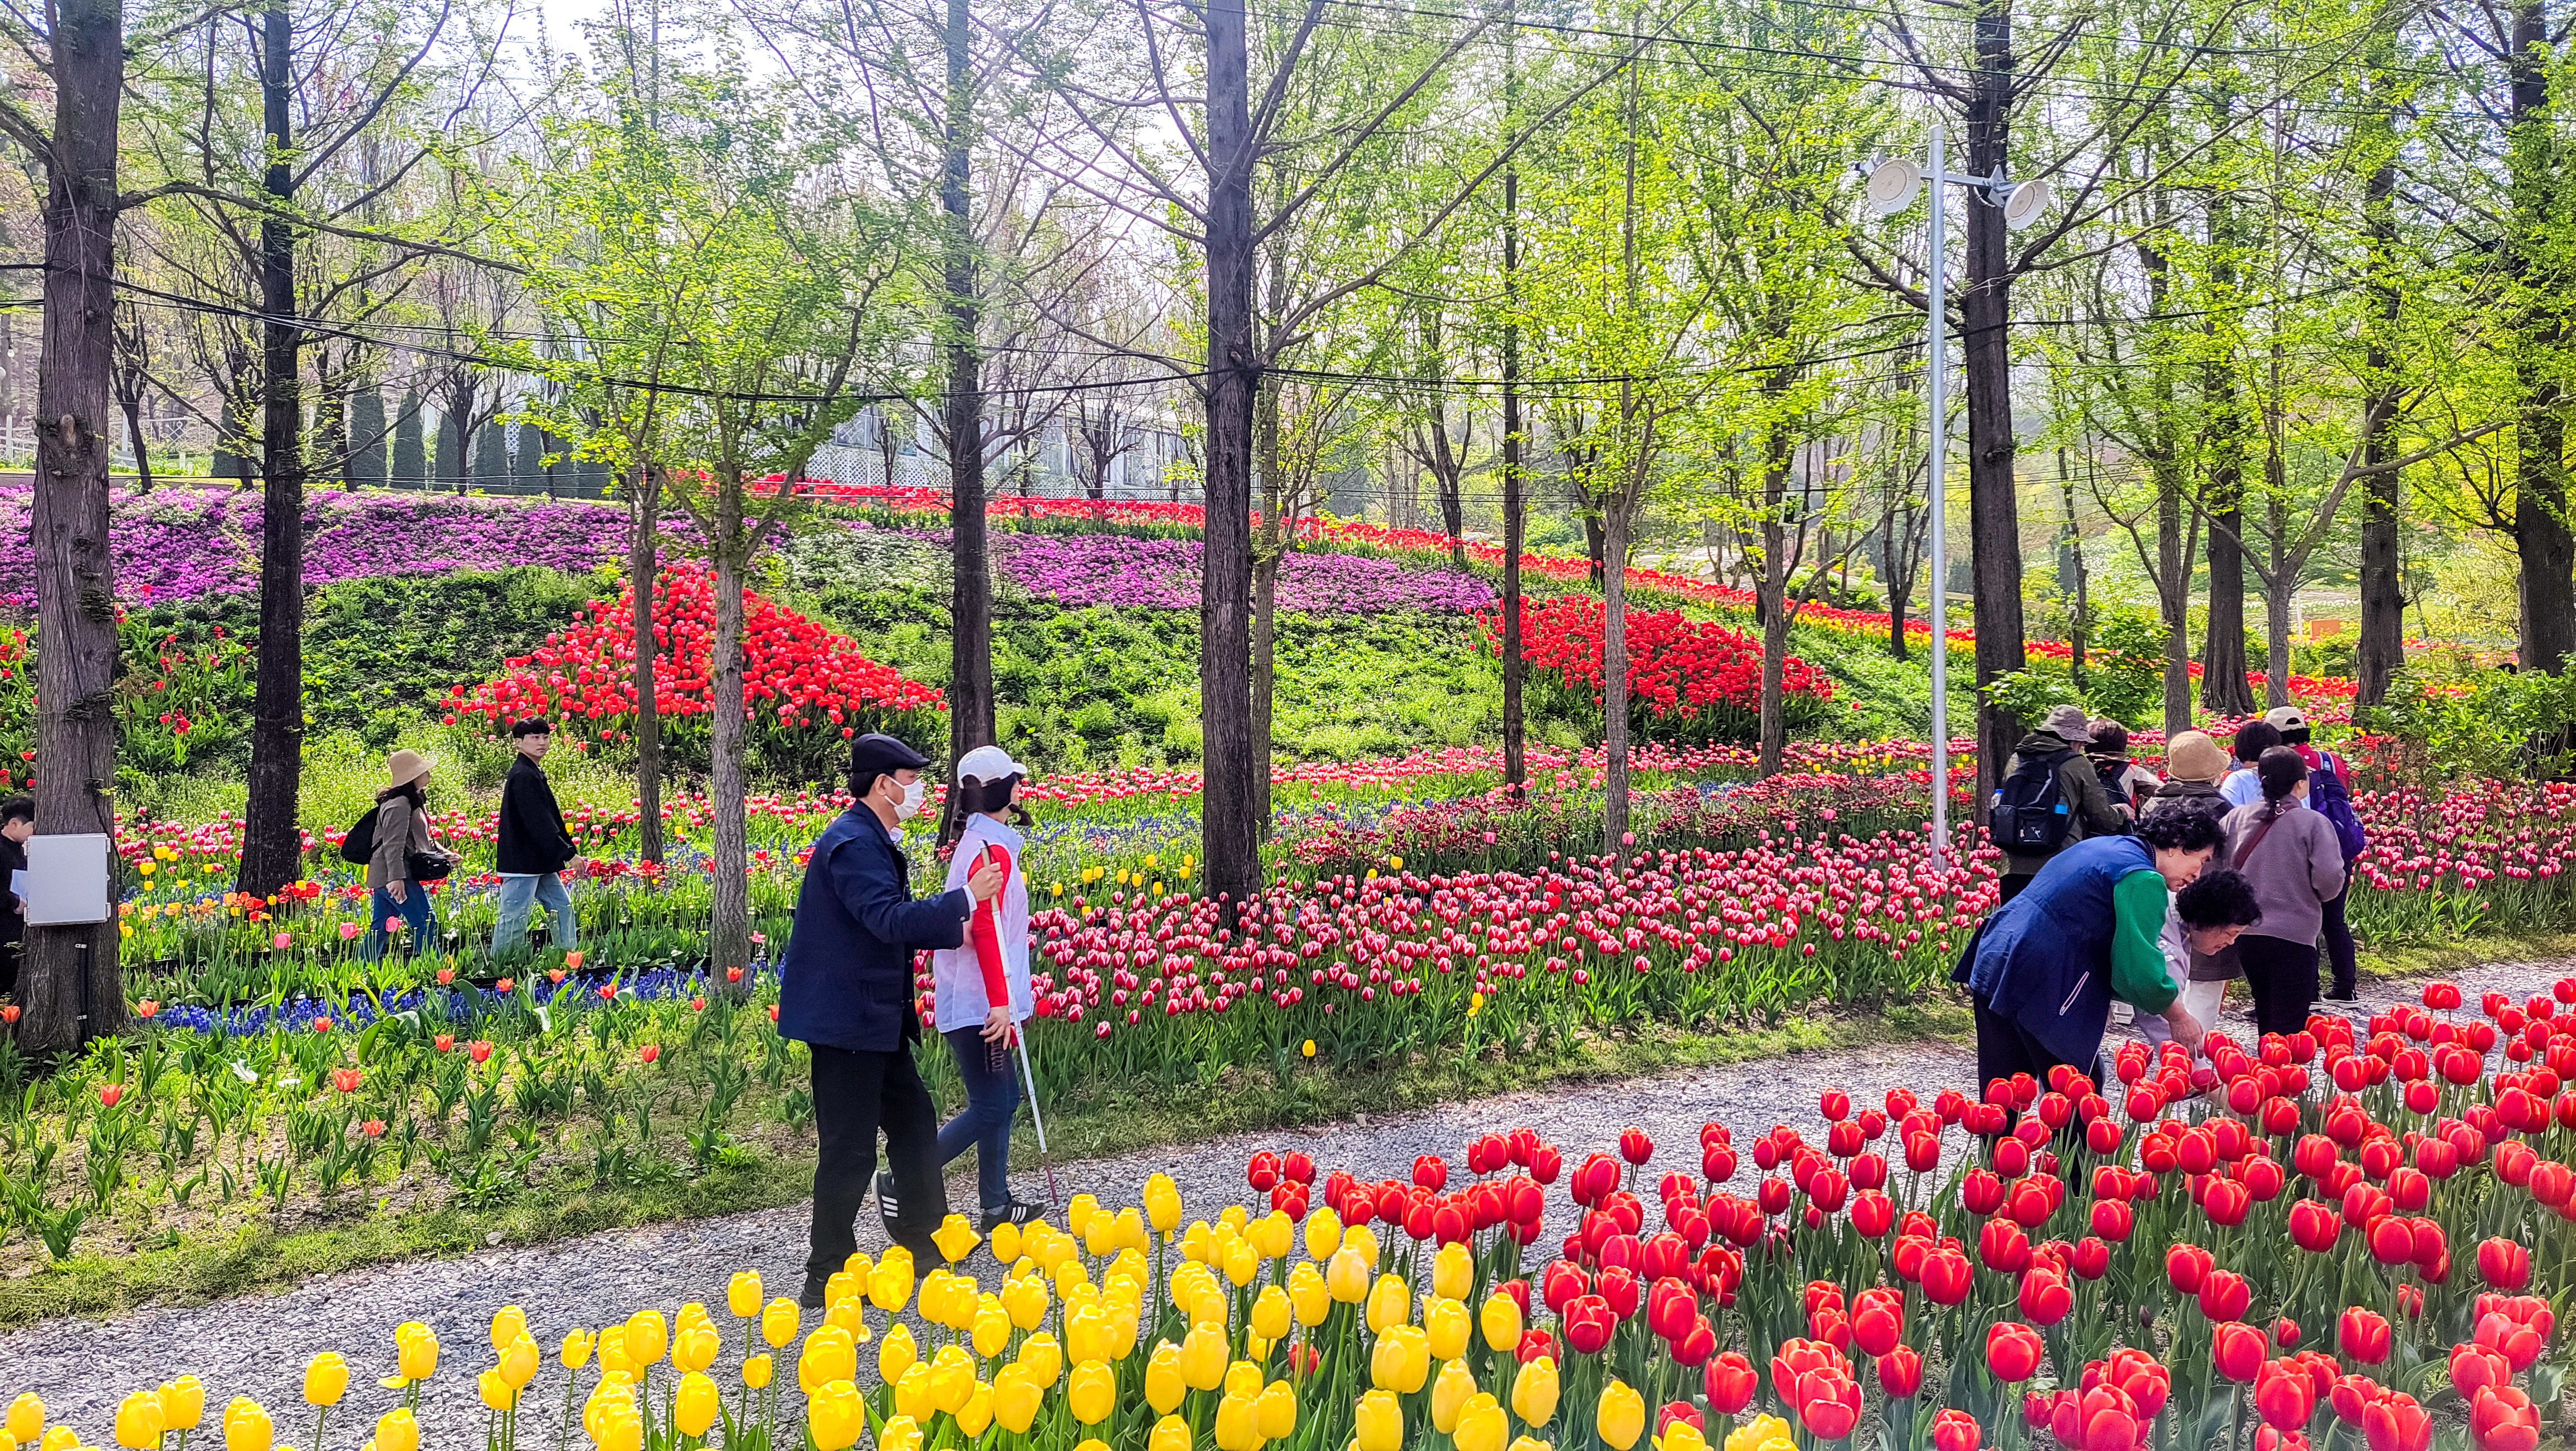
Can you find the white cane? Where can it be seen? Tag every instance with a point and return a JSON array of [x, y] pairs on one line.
[[1030, 1080]]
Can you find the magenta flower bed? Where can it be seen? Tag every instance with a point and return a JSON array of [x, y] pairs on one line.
[[178, 544], [1115, 569]]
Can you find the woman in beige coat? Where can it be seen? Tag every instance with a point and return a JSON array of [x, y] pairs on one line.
[[402, 851]]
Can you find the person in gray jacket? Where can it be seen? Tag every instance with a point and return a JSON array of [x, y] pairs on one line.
[[2291, 858]]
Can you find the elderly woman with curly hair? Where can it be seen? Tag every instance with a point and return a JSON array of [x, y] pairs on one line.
[[2044, 967]]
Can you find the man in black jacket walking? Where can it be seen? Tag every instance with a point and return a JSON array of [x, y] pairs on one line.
[[534, 848]]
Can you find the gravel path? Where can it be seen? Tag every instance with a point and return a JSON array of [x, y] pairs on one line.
[[257, 1345]]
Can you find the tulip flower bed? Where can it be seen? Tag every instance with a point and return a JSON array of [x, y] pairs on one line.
[[1690, 679], [2347, 1236]]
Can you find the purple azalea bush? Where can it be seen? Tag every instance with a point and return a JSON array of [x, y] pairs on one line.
[[180, 543], [1117, 569]]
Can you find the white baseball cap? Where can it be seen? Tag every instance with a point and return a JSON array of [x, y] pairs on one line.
[[987, 763]]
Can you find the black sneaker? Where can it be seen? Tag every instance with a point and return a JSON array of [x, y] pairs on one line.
[[2342, 995], [887, 1209], [812, 1298], [1014, 1212]]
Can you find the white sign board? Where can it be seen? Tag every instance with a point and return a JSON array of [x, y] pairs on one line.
[[67, 880]]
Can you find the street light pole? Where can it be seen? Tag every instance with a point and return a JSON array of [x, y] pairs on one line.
[[1937, 487]]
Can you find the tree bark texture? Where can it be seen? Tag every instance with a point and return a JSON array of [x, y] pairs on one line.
[[1267, 557], [75, 572], [2223, 687], [1985, 315], [729, 935], [272, 842], [1614, 673], [2540, 529], [1229, 835], [643, 571], [2382, 646], [970, 672], [1515, 725]]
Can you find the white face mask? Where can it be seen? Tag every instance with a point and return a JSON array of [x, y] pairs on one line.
[[910, 801]]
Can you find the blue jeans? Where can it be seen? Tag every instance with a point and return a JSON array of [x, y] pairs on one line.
[[992, 1097], [520, 891], [413, 909]]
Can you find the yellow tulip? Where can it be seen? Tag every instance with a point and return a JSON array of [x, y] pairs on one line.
[[952, 1378], [1077, 1213], [613, 1359], [1390, 1303], [778, 1322], [1243, 1378], [1006, 1243], [1070, 1276], [1307, 1296], [1164, 1387], [1163, 1206], [1242, 1263], [397, 1431], [1530, 1443], [508, 1324], [691, 1314], [829, 1355], [694, 1348], [60, 1438], [1100, 1236], [139, 1426], [1323, 1232], [1445, 1322], [326, 1379], [1270, 1313], [1086, 1333], [1273, 1235], [1449, 1392], [26, 1419], [756, 1371], [1234, 1217], [1170, 1434], [850, 1313], [695, 1403], [1203, 1358], [1401, 1360], [900, 1434], [895, 1353], [1347, 1275], [1091, 1443], [1380, 1424], [912, 1393], [1277, 1410], [1092, 1393], [1501, 1322], [742, 1294], [519, 1362], [1621, 1416], [1534, 1391], [834, 1416], [246, 1426], [1042, 1358], [646, 1338], [955, 1238], [415, 1355], [1762, 1433], [495, 1393], [1025, 1301], [1017, 1395], [621, 1431], [1131, 1230], [1122, 1330], [842, 1284], [1682, 1436], [890, 1283], [1453, 1273], [1194, 1241], [977, 1413], [576, 1349], [1238, 1425], [1481, 1426], [183, 1403]]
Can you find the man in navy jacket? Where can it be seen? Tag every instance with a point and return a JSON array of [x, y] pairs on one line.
[[846, 992]]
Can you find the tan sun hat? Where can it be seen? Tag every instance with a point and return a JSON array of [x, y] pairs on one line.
[[2193, 756], [404, 767]]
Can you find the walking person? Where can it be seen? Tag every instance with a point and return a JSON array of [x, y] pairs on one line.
[[982, 988], [2125, 781], [2043, 969], [533, 848], [2330, 794], [2053, 789], [2243, 787], [17, 823], [402, 861], [845, 992], [2291, 858], [2194, 765]]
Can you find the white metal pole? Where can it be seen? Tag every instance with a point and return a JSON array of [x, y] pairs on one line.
[[1938, 489]]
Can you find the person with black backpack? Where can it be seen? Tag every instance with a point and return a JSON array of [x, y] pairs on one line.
[[393, 840], [2330, 796], [2050, 798]]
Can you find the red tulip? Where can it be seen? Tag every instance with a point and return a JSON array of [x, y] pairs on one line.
[[2045, 1296], [2225, 1295], [2473, 1366], [1900, 1372], [2395, 1422], [2504, 1264], [1947, 1276], [2285, 1395], [2502, 1418], [2238, 1349], [1635, 1147], [1730, 1381], [2519, 1344], [2187, 1267], [2363, 1336], [2013, 1351]]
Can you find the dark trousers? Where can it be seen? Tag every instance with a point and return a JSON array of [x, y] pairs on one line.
[[2347, 970], [2283, 976], [2010, 885], [2005, 1048], [856, 1094], [992, 1097]]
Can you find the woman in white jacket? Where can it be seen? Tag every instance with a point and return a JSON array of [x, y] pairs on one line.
[[982, 989]]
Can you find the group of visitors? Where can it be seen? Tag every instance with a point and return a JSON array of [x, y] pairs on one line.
[[532, 849], [2123, 887]]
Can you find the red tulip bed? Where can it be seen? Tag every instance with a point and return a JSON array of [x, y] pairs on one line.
[[1685, 677]]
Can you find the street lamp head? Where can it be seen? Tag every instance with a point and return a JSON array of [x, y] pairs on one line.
[[2023, 201], [1893, 184]]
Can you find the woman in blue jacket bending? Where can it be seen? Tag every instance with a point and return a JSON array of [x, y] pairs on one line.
[[2043, 968]]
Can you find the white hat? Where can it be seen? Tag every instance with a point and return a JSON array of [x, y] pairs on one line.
[[987, 763]]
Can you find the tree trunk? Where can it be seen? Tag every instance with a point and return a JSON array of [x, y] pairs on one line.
[[272, 846], [2224, 689], [1228, 831], [1771, 593], [2173, 593], [2080, 622], [1614, 674], [2382, 646], [2540, 532], [1515, 727], [729, 934], [970, 669], [1269, 552], [644, 573], [75, 570], [1985, 312]]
